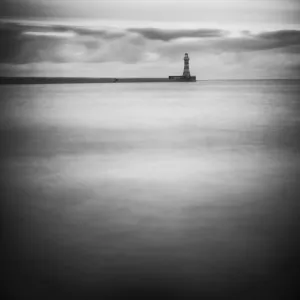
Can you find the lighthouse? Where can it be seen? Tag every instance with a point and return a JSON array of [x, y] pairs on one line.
[[186, 76], [186, 69]]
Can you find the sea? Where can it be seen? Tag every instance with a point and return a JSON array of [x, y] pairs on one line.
[[183, 190]]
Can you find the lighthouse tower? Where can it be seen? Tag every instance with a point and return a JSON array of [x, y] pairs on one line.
[[186, 70], [186, 76]]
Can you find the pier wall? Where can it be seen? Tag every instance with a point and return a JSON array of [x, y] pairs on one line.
[[70, 80]]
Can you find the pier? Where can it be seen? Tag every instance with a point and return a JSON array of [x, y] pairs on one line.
[[185, 77]]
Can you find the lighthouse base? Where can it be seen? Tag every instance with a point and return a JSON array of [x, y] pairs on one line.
[[182, 78]]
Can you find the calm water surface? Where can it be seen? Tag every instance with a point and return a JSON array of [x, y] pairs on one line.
[[157, 189]]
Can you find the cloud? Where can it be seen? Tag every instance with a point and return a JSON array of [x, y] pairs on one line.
[[285, 41], [262, 41], [42, 43], [167, 34], [24, 43], [9, 42], [111, 33]]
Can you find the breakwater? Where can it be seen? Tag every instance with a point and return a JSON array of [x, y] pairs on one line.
[[78, 80]]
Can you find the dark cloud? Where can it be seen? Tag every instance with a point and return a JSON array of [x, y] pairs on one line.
[[16, 47], [272, 40], [281, 35], [9, 43], [285, 41], [26, 9], [219, 41], [36, 27], [22, 43], [167, 34], [265, 41]]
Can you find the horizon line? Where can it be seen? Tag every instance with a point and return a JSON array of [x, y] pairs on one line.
[[73, 77]]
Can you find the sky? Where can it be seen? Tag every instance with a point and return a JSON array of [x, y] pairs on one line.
[[225, 39]]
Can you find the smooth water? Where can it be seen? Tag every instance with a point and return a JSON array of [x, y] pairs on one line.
[[157, 189]]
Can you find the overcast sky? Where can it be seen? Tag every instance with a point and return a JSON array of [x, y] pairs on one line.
[[224, 38]]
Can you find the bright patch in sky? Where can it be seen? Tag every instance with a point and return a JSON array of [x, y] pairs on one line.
[[50, 34]]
